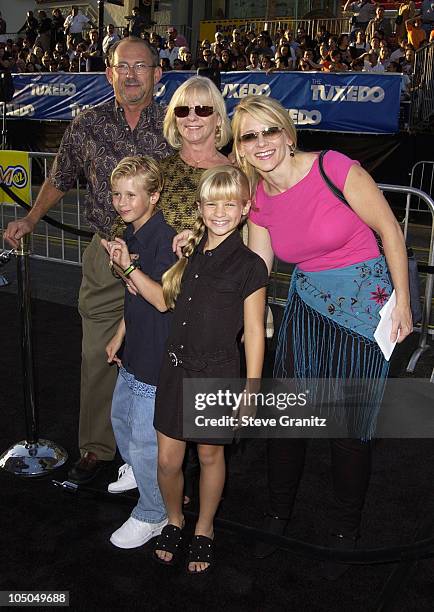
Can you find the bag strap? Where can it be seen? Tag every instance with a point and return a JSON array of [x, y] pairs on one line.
[[337, 192], [333, 188]]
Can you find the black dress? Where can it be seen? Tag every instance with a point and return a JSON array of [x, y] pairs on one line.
[[207, 321]]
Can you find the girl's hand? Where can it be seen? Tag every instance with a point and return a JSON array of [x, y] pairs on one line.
[[118, 252], [112, 348], [180, 240], [402, 323]]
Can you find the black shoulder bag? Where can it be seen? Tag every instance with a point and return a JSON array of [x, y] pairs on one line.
[[413, 274]]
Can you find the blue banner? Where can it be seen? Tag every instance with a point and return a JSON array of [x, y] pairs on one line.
[[57, 96], [336, 102]]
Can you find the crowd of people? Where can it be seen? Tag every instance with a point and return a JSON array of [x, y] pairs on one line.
[[373, 43], [60, 43], [48, 44]]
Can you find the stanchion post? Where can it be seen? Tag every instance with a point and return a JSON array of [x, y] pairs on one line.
[[24, 310], [30, 457]]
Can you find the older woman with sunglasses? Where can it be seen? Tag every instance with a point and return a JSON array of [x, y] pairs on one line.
[[196, 126], [338, 287]]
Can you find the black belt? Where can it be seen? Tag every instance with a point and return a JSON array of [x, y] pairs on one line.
[[197, 363]]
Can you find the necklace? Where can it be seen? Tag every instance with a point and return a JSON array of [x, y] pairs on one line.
[[195, 162]]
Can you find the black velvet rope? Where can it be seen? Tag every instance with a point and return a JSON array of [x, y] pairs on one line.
[[49, 220]]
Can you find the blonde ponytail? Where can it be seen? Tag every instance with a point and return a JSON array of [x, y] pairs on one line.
[[172, 279]]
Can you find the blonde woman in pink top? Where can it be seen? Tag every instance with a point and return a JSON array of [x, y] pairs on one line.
[[340, 283]]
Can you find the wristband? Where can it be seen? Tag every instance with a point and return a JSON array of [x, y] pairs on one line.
[[133, 266]]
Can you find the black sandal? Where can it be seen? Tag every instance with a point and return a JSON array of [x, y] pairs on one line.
[[200, 550], [169, 540]]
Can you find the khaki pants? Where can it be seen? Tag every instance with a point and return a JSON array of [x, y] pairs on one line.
[[100, 305]]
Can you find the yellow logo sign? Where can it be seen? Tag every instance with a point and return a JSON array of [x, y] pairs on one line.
[[15, 174]]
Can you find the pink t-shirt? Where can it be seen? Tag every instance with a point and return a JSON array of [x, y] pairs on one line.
[[310, 226]]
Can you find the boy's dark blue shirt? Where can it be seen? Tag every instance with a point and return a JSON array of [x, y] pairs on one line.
[[146, 328]]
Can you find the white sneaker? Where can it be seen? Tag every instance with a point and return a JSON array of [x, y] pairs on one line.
[[135, 533], [125, 481]]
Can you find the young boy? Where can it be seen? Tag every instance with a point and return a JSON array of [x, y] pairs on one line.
[[141, 260]]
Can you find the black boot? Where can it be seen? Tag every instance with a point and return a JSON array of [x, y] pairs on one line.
[[340, 541], [274, 525]]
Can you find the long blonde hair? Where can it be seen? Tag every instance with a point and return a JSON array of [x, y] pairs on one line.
[[269, 112], [218, 183]]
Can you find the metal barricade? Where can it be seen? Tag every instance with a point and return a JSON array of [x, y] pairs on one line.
[[422, 90], [335, 26], [421, 177], [49, 242], [423, 344]]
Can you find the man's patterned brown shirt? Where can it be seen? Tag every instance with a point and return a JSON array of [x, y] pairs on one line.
[[94, 143]]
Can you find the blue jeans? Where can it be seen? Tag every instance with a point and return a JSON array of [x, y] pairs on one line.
[[132, 420]]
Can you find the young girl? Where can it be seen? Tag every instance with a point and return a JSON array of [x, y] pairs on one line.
[[136, 186], [218, 286]]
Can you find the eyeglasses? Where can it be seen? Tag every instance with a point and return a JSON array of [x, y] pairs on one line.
[[139, 68], [271, 133], [200, 110]]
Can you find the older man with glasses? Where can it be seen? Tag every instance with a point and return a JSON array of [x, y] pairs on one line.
[[93, 144]]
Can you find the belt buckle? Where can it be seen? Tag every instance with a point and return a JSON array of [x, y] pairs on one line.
[[173, 358]]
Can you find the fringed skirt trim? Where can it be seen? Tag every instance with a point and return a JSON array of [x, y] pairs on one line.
[[324, 338]]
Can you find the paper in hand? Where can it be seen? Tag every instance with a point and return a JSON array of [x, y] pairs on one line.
[[384, 328]]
